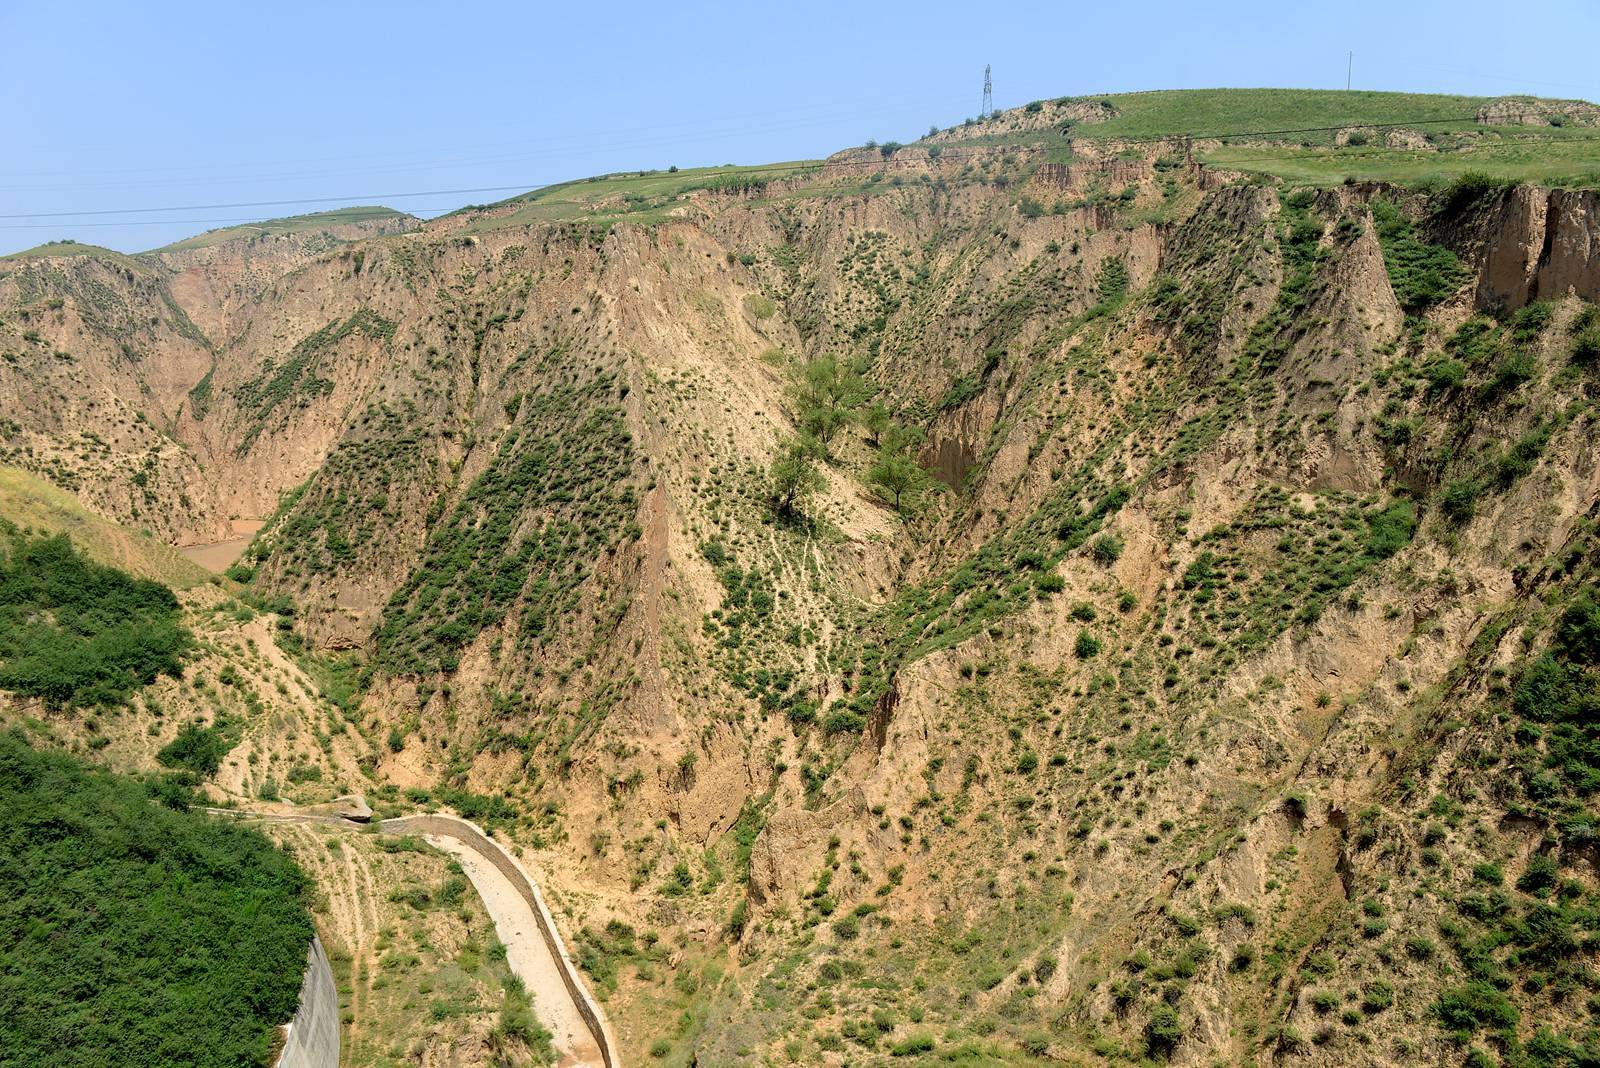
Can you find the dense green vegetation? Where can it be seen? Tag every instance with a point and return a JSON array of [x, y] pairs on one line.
[[1549, 158], [74, 632], [1557, 700], [136, 934], [1421, 274], [530, 527], [1202, 112]]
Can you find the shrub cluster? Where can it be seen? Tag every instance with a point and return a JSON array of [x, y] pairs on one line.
[[74, 632], [136, 933]]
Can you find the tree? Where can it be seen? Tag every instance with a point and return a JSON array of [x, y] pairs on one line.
[[896, 474], [895, 471], [823, 422], [827, 392], [876, 421], [793, 477]]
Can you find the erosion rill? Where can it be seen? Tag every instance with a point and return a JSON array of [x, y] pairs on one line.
[[1099, 583]]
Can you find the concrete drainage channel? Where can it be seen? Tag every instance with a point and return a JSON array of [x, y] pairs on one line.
[[582, 1035]]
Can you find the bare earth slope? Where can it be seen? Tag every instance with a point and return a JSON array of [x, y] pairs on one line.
[[1181, 656]]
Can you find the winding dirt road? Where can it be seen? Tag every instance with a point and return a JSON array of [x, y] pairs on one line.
[[580, 1033], [529, 956]]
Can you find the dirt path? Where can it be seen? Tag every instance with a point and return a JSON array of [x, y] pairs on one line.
[[528, 956], [527, 952]]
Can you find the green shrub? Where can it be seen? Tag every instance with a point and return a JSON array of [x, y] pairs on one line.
[[1467, 190], [1106, 549], [1086, 646], [1578, 634], [912, 1045], [1466, 1009], [1445, 373], [134, 933], [1162, 1032], [73, 632], [1512, 372], [1377, 996], [1586, 346], [198, 749], [1540, 875], [1459, 502], [1111, 281], [1035, 1045]]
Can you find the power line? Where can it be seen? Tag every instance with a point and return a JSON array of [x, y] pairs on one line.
[[330, 218], [656, 133], [548, 149], [529, 188], [274, 203]]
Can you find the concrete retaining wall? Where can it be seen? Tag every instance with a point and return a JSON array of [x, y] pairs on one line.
[[471, 836], [313, 1035]]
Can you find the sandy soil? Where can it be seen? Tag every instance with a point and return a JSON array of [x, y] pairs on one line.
[[529, 957], [220, 555]]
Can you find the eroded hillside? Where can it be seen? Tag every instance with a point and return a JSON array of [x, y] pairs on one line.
[[1028, 596]]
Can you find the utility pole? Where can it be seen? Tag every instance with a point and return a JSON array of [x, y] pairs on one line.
[[1349, 67], [988, 95]]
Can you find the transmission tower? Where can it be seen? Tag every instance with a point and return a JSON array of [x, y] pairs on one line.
[[988, 95]]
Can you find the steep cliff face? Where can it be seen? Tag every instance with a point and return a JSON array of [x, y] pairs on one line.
[[97, 360], [215, 277], [1530, 244], [1143, 716]]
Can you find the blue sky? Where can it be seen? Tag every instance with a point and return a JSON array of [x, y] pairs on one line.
[[122, 105]]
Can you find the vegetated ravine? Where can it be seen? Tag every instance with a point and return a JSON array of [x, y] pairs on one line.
[[1045, 593]]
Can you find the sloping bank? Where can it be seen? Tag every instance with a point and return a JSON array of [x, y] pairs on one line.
[[311, 1039]]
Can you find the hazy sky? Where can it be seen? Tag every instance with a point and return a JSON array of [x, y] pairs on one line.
[[110, 106]]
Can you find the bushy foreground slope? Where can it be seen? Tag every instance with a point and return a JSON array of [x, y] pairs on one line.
[[74, 632], [136, 934]]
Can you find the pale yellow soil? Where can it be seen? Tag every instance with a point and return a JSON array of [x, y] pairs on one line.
[[220, 555], [528, 956]]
